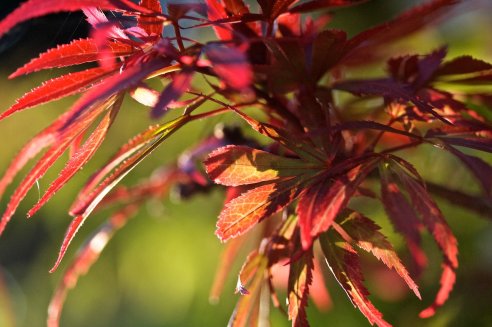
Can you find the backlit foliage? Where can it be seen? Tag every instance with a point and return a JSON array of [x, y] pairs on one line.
[[283, 72]]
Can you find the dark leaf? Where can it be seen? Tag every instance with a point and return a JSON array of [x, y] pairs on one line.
[[324, 4]]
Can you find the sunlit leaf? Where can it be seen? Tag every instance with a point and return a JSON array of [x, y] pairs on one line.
[[345, 265], [239, 165], [75, 53], [365, 234]]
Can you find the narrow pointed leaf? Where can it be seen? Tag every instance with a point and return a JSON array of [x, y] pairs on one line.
[[323, 201], [477, 143], [37, 8], [63, 141], [448, 278], [402, 215], [387, 88], [76, 52], [245, 211], [123, 164], [298, 143], [344, 263], [323, 4], [239, 165], [81, 157], [300, 279], [58, 88], [135, 144], [127, 79], [251, 276], [87, 255], [463, 65], [431, 217], [365, 233]]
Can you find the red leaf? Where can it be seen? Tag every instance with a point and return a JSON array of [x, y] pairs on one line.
[[121, 165], [80, 158], [365, 233], [343, 262], [369, 124], [127, 79], [322, 202], [300, 278], [324, 4], [463, 65], [29, 151], [252, 276], [179, 84], [273, 8], [36, 8], [245, 211], [431, 216], [298, 143], [386, 88], [87, 255], [239, 165], [231, 65], [122, 154], [448, 278], [402, 215], [236, 7], [216, 12], [58, 88], [151, 24], [75, 53], [62, 142]]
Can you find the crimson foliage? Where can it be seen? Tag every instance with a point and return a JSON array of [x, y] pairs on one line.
[[287, 68]]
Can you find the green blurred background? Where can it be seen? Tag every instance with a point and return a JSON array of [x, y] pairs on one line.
[[157, 271]]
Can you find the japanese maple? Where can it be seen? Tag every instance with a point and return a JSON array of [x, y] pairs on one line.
[[284, 72]]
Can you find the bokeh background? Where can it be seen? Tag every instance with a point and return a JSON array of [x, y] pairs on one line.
[[157, 271]]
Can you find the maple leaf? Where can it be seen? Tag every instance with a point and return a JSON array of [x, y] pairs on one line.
[[321, 202], [300, 278], [239, 165], [76, 52], [364, 233], [345, 266]]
